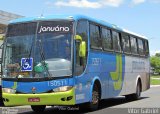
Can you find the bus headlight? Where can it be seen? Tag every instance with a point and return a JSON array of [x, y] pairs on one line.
[[8, 90], [62, 89]]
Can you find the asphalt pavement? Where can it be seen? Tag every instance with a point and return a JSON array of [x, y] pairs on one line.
[[148, 104]]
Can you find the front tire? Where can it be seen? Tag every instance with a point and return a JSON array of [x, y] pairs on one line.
[[93, 105], [1, 99], [38, 108]]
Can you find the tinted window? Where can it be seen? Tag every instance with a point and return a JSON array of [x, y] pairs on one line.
[[82, 30], [140, 46], [21, 29], [106, 39], [126, 43], [95, 36], [116, 41], [133, 45], [146, 47]]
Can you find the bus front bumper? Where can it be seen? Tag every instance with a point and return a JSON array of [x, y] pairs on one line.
[[57, 98]]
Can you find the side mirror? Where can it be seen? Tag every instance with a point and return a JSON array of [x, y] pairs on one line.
[[82, 50], [82, 46], [78, 37]]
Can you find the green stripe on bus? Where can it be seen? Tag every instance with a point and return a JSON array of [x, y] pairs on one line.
[[117, 75], [14, 86]]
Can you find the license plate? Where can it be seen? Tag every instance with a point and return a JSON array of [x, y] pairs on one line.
[[33, 99]]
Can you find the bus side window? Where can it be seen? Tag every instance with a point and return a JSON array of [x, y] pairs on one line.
[[116, 41], [146, 47], [82, 31], [141, 47], [134, 48], [106, 39], [95, 37], [126, 43]]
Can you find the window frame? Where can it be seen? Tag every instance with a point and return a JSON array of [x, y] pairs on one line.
[[143, 47], [120, 41], [146, 53], [125, 52], [87, 48], [120, 36], [110, 30], [135, 37], [100, 39]]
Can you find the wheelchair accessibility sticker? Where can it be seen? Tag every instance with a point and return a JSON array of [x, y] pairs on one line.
[[26, 64]]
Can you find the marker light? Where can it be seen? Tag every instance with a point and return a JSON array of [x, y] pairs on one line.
[[8, 90]]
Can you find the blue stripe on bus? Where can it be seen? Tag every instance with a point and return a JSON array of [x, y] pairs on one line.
[[45, 86]]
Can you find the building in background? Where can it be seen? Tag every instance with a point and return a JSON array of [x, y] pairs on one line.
[[5, 17]]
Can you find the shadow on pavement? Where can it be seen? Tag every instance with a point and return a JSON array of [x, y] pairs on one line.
[[115, 101]]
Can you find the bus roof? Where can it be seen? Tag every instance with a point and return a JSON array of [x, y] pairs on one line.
[[74, 17]]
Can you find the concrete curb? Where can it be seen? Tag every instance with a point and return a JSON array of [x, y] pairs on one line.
[[155, 78], [154, 85]]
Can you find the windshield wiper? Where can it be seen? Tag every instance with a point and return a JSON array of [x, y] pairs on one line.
[[31, 50], [44, 64]]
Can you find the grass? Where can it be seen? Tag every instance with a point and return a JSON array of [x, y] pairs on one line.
[[155, 81]]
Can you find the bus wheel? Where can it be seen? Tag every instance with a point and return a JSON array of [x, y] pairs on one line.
[[136, 95], [38, 108], [93, 105]]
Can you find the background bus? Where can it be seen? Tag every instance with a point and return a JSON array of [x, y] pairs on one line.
[[68, 60]]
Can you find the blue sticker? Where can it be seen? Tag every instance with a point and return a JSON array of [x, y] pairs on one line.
[[26, 64]]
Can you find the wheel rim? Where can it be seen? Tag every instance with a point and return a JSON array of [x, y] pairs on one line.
[[95, 97], [138, 91]]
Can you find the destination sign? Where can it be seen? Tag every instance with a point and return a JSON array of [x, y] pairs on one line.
[[54, 26]]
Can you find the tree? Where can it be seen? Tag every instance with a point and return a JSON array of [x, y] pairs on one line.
[[157, 54], [155, 63]]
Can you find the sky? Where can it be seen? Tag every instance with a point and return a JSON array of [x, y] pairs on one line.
[[139, 16]]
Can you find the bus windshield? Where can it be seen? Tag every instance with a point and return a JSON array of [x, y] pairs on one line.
[[38, 49]]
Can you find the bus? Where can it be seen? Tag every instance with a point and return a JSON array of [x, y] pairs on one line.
[[71, 60]]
